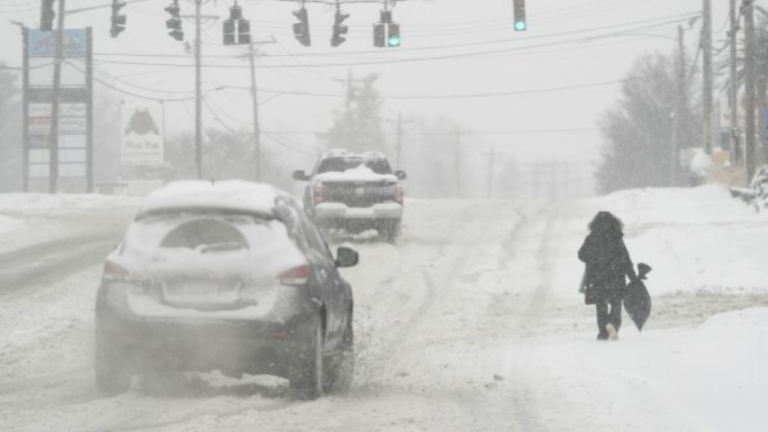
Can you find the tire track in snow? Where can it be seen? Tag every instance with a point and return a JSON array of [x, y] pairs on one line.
[[52, 261]]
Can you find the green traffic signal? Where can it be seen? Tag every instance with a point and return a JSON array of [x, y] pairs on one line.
[[394, 41], [521, 26]]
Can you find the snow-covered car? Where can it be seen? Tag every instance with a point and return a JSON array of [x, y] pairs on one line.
[[228, 276], [355, 192]]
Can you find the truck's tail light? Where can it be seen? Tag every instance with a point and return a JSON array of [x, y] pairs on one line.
[[319, 189], [113, 271], [295, 276], [400, 194]]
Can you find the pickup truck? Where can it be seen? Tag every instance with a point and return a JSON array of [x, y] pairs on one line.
[[355, 192]]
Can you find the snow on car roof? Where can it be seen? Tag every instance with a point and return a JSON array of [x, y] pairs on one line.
[[235, 195]]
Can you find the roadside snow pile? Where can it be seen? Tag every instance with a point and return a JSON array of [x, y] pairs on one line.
[[9, 224], [20, 203], [695, 239]]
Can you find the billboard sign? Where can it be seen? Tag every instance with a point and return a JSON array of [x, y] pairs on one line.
[[142, 135]]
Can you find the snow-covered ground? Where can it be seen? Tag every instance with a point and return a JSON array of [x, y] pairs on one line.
[[471, 323]]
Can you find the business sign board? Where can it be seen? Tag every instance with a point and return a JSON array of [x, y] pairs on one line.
[[65, 110], [143, 135], [43, 43], [74, 150]]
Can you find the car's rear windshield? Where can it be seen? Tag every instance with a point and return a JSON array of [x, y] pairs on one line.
[[207, 232], [341, 164]]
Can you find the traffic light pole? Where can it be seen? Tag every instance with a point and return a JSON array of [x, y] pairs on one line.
[[53, 160]]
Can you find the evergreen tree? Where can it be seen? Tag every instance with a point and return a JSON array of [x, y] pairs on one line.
[[638, 131], [358, 127]]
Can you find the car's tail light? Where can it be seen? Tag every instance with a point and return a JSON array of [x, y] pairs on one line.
[[295, 276], [400, 194], [319, 189], [114, 271]]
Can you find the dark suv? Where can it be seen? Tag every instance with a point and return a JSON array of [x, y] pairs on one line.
[[356, 192], [228, 276]]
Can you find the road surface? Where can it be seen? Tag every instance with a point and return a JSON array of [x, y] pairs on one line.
[[471, 323]]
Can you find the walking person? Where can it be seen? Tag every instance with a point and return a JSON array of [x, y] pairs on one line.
[[607, 266]]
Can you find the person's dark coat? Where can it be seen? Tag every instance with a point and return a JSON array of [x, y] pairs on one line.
[[607, 260]]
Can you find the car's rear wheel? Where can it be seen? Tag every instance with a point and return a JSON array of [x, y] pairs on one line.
[[113, 376], [307, 378], [343, 366]]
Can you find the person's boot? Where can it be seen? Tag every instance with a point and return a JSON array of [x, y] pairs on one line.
[[613, 334], [602, 336]]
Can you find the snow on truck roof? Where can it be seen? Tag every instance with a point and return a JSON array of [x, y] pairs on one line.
[[234, 195]]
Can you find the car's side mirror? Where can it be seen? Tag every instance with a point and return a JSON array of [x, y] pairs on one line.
[[300, 175], [346, 257], [401, 175]]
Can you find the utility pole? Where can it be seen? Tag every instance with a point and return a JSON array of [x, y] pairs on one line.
[[706, 41], [491, 164], [53, 174], [749, 79], [255, 99], [457, 160], [198, 91], [399, 150], [677, 123], [256, 127], [734, 89]]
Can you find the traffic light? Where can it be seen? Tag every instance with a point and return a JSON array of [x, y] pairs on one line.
[[244, 32], [386, 16], [301, 28], [394, 35], [520, 23], [174, 24], [379, 35], [386, 33], [339, 30], [47, 15], [118, 19], [229, 32]]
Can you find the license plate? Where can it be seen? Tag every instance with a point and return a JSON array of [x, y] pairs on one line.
[[210, 292]]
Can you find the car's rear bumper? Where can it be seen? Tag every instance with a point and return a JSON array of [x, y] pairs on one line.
[[238, 347], [265, 345], [338, 211]]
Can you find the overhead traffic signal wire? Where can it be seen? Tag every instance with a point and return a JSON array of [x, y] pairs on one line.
[[667, 20], [424, 59]]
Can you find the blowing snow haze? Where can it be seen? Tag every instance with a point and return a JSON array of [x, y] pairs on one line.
[[367, 215]]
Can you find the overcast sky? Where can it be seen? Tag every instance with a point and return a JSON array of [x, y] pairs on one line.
[[450, 48]]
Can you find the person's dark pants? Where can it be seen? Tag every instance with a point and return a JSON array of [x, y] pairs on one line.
[[604, 316]]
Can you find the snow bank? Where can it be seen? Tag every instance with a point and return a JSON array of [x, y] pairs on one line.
[[695, 239], [9, 224]]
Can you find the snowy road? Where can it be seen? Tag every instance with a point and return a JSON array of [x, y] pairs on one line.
[[471, 323]]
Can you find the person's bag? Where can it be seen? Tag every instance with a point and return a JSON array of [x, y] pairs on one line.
[[583, 284]]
